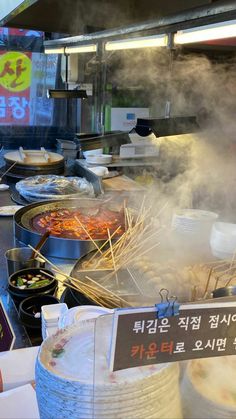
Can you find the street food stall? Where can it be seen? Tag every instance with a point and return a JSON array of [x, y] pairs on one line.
[[118, 257]]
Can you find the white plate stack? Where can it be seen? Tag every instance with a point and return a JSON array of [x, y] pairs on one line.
[[65, 387], [193, 222], [81, 314], [99, 159], [209, 389], [223, 240]]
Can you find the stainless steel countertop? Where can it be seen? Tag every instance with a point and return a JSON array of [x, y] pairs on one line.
[[7, 242]]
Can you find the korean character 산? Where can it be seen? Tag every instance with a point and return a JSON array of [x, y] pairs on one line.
[[139, 326], [151, 325], [183, 322], [164, 325]]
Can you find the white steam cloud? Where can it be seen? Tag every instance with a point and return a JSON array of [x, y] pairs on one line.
[[194, 171]]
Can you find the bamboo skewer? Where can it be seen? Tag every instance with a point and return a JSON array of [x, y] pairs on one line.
[[193, 293], [207, 283], [122, 242], [38, 253], [127, 259], [108, 291], [216, 283], [146, 251], [124, 209], [233, 259], [88, 290], [134, 249], [8, 170], [112, 255], [90, 237], [103, 245], [228, 282], [85, 288]]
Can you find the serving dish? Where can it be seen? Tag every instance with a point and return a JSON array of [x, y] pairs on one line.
[[20, 292]]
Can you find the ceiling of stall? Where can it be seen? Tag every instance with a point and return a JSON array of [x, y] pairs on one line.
[[79, 16]]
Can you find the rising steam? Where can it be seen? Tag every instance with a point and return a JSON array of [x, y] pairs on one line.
[[195, 171]]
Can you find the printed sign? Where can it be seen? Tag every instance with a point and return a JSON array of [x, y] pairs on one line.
[[7, 336], [124, 119], [199, 331], [15, 80], [15, 71]]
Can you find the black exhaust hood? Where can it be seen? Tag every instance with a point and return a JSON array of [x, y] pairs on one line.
[[67, 16], [166, 126], [76, 17]]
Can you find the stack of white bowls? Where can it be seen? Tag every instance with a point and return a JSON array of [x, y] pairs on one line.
[[70, 385], [193, 221], [209, 389], [223, 240]]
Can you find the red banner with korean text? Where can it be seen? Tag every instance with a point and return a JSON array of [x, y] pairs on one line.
[[15, 81]]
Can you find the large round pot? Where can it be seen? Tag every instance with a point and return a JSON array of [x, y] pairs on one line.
[[58, 246], [20, 294]]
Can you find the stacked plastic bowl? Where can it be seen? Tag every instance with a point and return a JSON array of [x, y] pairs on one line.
[[223, 240]]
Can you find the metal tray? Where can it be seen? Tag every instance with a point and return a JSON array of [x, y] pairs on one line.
[[121, 284]]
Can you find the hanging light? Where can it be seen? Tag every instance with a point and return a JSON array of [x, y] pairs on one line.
[[81, 48], [54, 50], [144, 42], [206, 33]]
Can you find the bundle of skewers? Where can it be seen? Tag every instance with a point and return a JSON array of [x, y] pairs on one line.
[[138, 239], [92, 290]]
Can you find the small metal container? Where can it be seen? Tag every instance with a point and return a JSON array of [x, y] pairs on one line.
[[19, 258], [224, 291]]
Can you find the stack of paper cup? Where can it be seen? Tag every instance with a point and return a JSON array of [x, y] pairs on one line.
[[49, 318]]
